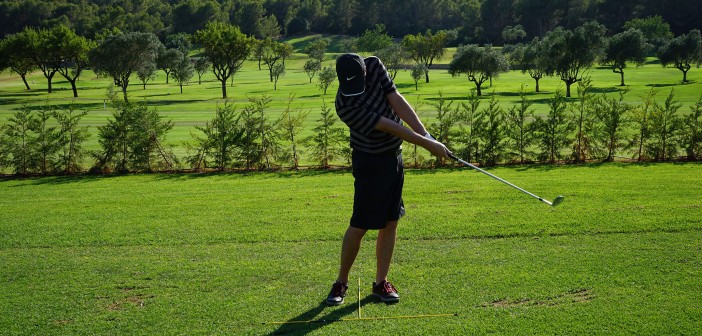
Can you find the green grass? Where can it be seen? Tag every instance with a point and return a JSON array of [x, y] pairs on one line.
[[223, 253]]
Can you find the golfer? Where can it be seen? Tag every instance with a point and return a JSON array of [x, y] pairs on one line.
[[368, 102]]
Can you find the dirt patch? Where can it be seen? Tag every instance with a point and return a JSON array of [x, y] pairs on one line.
[[457, 191], [62, 322], [130, 298], [574, 296], [138, 300]]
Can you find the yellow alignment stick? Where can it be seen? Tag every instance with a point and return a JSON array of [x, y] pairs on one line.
[[359, 297]]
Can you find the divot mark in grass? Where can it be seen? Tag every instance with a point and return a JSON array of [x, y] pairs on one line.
[[62, 322], [574, 296], [130, 301]]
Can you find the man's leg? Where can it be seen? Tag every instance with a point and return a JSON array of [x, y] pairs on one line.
[[349, 251], [384, 247]]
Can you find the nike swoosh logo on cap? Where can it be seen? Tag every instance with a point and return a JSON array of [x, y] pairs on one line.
[[350, 78]]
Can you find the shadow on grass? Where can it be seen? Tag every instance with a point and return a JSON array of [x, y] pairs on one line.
[[57, 180], [312, 319], [669, 85]]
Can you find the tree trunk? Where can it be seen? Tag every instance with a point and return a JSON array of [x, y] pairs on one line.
[[24, 79], [621, 73], [49, 78], [124, 92], [224, 88], [477, 87], [537, 84], [73, 86]]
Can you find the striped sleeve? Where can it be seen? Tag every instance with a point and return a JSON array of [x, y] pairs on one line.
[[359, 119], [377, 67]]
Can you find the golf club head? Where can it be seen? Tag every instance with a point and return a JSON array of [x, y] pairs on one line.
[[557, 201]]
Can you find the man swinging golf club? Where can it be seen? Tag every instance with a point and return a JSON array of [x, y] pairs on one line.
[[368, 102]]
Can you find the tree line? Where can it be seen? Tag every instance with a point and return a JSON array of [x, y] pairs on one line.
[[48, 140], [477, 21], [561, 52]]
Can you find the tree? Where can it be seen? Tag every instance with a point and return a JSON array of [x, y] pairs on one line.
[[181, 41], [425, 48], [641, 116], [45, 48], [183, 71], [692, 131], [478, 63], [491, 133], [446, 118], [290, 123], [393, 58], [5, 148], [532, 59], [682, 52], [16, 54], [572, 52], [326, 77], [273, 52], [222, 136], [343, 13], [146, 73], [374, 40], [327, 139], [226, 47], [248, 17], [469, 118], [520, 134], [611, 113], [168, 59], [553, 131], [73, 50], [277, 72], [269, 27], [202, 65], [628, 46], [655, 30], [120, 55], [515, 33], [312, 66], [192, 15], [20, 141], [665, 128], [317, 48], [71, 138], [47, 141], [584, 144], [259, 145], [130, 140], [418, 71]]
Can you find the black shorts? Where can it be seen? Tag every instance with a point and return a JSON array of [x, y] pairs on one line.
[[378, 181]]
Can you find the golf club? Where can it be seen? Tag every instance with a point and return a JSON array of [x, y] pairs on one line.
[[555, 202]]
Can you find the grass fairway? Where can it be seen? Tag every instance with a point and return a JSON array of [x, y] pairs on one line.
[[223, 253]]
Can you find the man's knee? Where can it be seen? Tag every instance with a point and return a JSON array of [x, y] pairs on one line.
[[391, 226], [353, 232]]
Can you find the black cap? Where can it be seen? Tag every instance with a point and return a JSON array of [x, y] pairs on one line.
[[351, 71]]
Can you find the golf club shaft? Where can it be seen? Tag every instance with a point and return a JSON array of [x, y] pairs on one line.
[[499, 179]]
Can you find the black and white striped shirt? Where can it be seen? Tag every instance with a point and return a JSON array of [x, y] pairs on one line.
[[363, 112]]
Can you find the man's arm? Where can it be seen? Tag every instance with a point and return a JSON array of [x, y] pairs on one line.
[[406, 112], [389, 126]]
